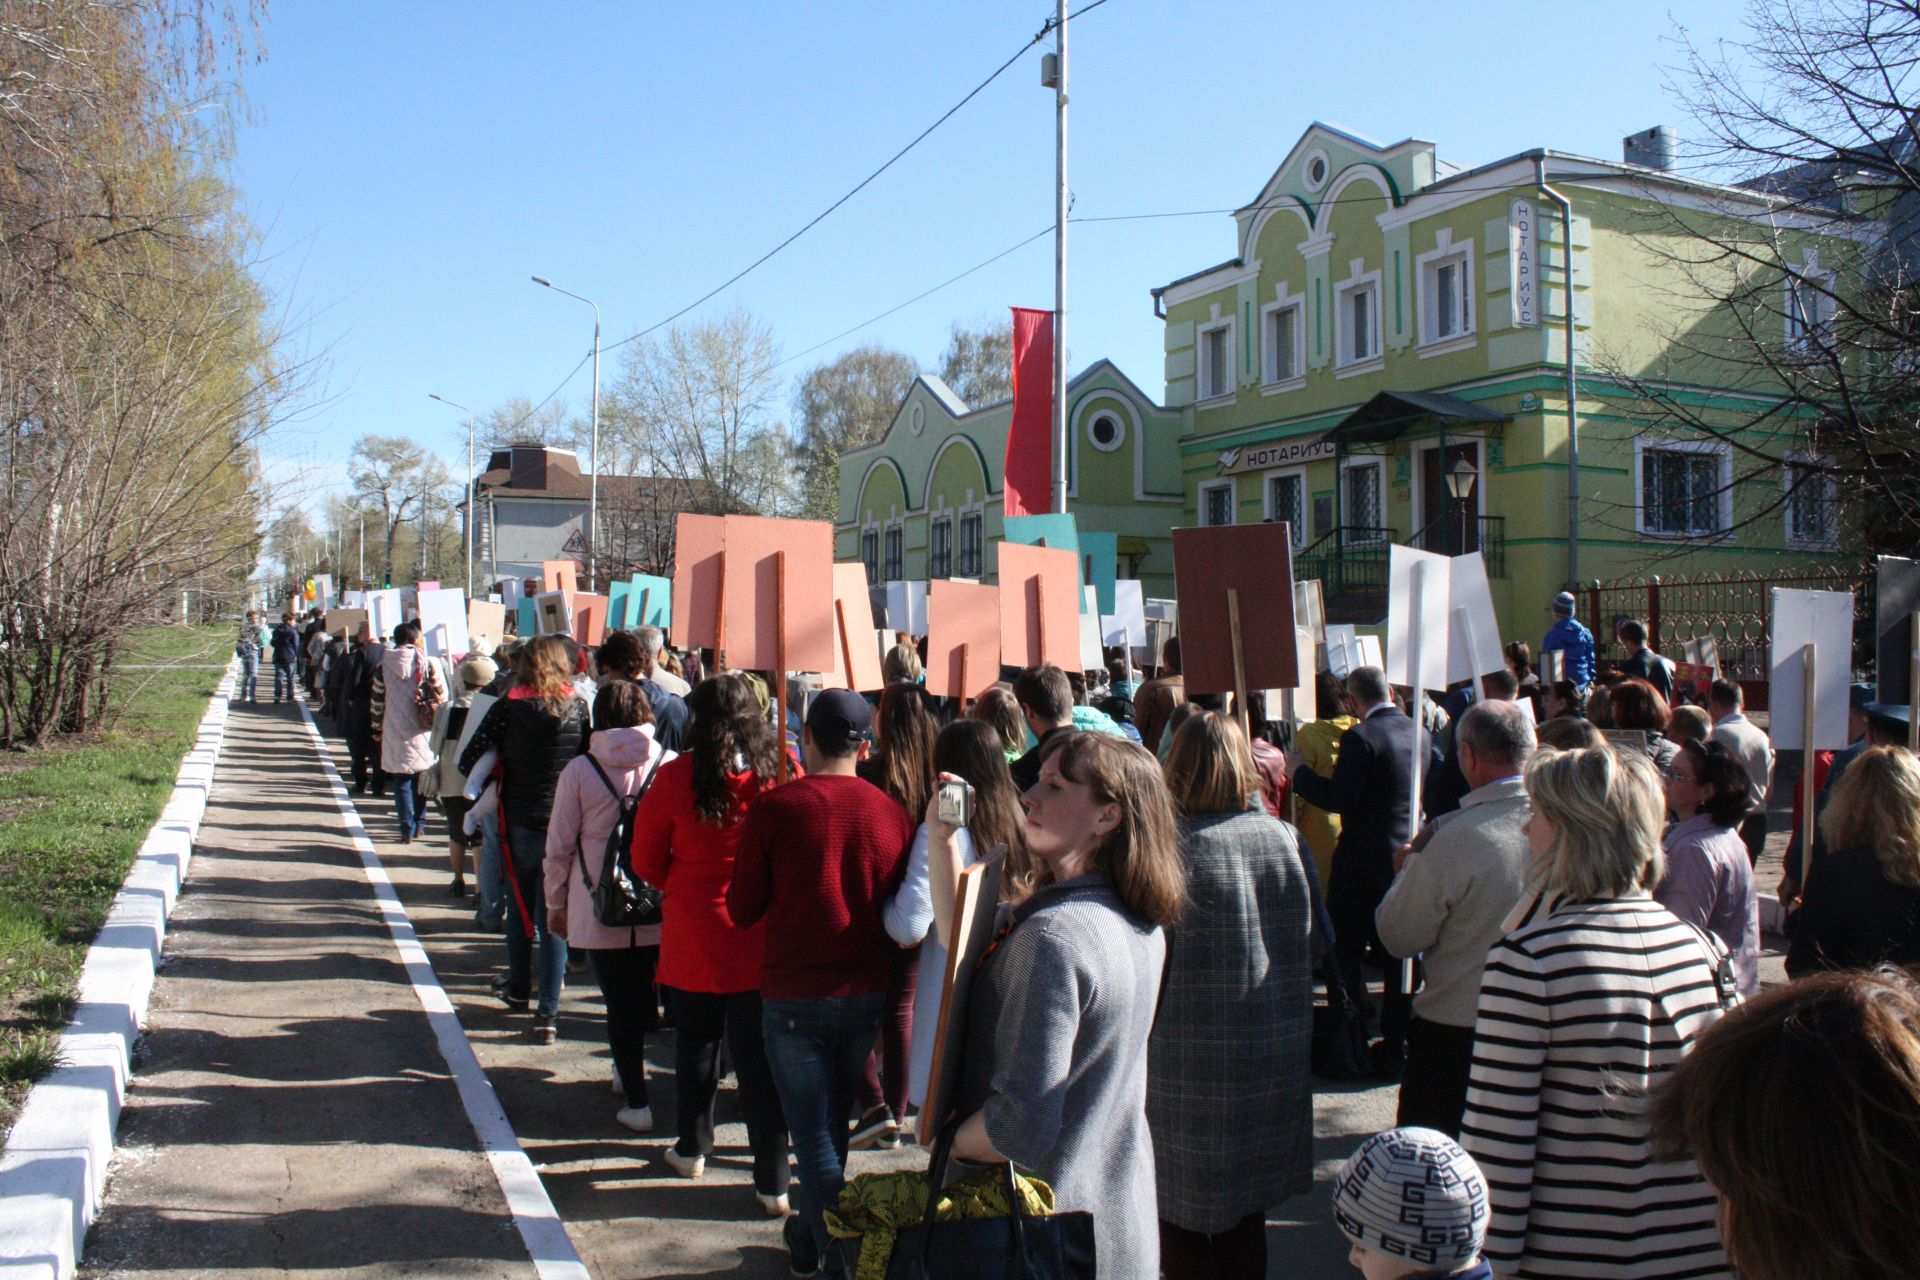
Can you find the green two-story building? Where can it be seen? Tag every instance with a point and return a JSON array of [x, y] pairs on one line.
[[1384, 359]]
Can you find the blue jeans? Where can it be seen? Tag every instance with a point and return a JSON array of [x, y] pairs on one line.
[[282, 679], [524, 843], [818, 1052], [493, 904], [250, 679], [413, 810]]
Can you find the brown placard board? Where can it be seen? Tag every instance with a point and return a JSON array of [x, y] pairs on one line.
[[975, 904], [348, 621], [486, 625], [589, 617], [1039, 606], [963, 638], [699, 544], [1256, 562], [856, 652], [558, 575]]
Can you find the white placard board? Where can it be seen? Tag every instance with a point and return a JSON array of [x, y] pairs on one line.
[[410, 601], [1309, 610], [354, 600], [1129, 616], [1163, 611], [1825, 620], [1343, 649], [1370, 652], [1475, 648], [1090, 651], [511, 591], [907, 607], [443, 622], [1303, 692], [323, 591], [1526, 709], [384, 613], [1432, 624]]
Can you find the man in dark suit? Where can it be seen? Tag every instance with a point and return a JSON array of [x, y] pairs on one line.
[[1369, 789]]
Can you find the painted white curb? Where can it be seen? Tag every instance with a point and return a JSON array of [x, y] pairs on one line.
[[55, 1165]]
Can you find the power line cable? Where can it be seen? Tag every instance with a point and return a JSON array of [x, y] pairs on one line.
[[818, 218]]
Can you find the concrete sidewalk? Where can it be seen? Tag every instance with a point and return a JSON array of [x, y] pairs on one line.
[[291, 1110]]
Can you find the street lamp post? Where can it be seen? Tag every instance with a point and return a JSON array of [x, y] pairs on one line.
[[1460, 479], [593, 491], [468, 504]]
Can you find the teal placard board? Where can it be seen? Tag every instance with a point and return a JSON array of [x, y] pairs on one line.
[[526, 623], [650, 601], [1099, 564], [617, 596], [1056, 531]]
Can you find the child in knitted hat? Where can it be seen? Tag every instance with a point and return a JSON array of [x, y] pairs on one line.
[[1415, 1206]]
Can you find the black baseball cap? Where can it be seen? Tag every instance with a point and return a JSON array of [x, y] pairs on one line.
[[839, 718]]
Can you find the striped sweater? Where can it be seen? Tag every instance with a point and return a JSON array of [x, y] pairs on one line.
[[1580, 1009]]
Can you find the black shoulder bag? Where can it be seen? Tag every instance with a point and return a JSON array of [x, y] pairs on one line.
[[622, 900]]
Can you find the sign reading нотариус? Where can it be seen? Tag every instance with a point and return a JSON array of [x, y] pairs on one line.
[[1281, 453], [1522, 263]]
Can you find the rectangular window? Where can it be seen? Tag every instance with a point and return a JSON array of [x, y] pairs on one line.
[[1358, 334], [970, 546], [941, 565], [1216, 363], [1682, 492], [1811, 515], [870, 553], [1360, 509], [1809, 309], [1216, 503], [1286, 503], [1283, 337], [895, 568]]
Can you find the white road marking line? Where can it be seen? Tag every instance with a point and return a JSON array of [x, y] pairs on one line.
[[541, 1229]]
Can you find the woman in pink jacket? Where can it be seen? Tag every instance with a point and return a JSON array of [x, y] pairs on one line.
[[619, 766]]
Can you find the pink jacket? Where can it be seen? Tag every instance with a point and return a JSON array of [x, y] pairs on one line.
[[584, 815]]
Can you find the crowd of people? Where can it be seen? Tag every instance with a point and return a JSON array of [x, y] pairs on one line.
[[1564, 925]]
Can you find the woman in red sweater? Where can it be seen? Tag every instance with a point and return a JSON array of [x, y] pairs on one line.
[[684, 836]]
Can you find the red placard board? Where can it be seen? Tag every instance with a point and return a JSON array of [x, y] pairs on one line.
[[1255, 561], [589, 618], [963, 638], [729, 592], [1039, 606]]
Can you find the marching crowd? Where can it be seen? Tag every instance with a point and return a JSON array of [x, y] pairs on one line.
[[1565, 931]]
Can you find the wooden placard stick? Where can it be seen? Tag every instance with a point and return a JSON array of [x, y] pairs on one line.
[[846, 642], [780, 658], [964, 686], [720, 618], [646, 598], [1035, 603], [1913, 683], [1807, 754], [1239, 661]]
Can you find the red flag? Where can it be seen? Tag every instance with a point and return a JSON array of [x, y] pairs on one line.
[[1029, 470]]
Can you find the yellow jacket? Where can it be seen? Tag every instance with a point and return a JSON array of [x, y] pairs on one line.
[[1319, 746]]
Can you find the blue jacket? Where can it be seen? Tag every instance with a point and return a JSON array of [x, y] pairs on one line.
[[1568, 636]]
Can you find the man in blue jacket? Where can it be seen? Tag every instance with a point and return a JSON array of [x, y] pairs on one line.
[[1571, 639], [286, 652]]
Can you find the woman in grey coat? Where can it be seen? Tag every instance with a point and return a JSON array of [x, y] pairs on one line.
[[1228, 1096], [1055, 1077]]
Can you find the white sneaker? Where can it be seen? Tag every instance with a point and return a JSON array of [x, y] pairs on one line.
[[638, 1119], [773, 1206], [687, 1166], [616, 1081]]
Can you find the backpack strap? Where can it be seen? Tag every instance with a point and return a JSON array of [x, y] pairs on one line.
[[620, 800]]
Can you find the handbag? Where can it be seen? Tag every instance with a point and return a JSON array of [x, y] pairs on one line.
[[1058, 1246]]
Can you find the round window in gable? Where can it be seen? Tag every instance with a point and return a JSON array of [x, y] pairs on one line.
[[1106, 432], [1317, 170], [917, 419]]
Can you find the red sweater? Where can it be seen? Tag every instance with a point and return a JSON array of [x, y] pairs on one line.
[[691, 863], [818, 859]]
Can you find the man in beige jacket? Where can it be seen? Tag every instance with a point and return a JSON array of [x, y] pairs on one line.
[[1447, 905]]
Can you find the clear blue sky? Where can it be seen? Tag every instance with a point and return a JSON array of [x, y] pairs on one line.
[[412, 165]]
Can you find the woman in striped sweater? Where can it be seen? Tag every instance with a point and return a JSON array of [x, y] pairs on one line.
[[1599, 992]]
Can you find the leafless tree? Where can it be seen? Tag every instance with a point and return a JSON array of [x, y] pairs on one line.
[[978, 362], [841, 405]]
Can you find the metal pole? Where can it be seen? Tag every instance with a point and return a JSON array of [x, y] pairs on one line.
[[1573, 383], [593, 487], [467, 506], [1060, 261]]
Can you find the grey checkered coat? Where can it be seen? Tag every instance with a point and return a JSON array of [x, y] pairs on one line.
[[1228, 1098]]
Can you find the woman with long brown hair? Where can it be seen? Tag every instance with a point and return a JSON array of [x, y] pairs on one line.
[[902, 766], [967, 751], [1228, 1098], [684, 838], [537, 733], [1055, 1079]]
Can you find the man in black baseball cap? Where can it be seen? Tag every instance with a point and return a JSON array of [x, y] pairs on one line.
[[818, 859]]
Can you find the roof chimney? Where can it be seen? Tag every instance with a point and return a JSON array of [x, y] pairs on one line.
[[1653, 148]]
